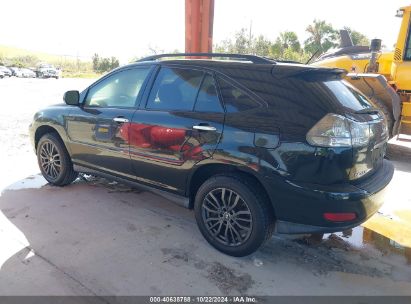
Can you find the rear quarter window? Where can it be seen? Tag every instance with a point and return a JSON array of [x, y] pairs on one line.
[[207, 98], [235, 99]]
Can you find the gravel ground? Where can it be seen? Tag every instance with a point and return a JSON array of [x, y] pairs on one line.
[[97, 237]]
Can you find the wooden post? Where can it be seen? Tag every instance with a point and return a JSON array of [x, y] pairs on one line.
[[199, 17]]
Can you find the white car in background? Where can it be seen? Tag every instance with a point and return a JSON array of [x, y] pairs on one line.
[[27, 73], [1, 75], [16, 71], [45, 70], [5, 71]]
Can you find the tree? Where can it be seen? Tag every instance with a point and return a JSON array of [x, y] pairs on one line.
[[242, 44], [224, 47], [24, 61], [96, 61], [114, 63], [290, 40], [357, 38], [102, 65], [285, 41], [286, 46], [261, 46], [322, 37]]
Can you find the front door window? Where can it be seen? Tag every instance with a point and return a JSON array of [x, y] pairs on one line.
[[118, 90]]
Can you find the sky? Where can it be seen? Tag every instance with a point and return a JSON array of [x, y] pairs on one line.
[[130, 28]]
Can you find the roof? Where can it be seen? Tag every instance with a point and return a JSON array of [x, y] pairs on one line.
[[236, 64]]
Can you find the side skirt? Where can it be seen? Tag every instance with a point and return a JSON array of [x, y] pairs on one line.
[[175, 198]]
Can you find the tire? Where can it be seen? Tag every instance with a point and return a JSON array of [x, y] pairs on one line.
[[389, 116], [256, 214], [51, 151]]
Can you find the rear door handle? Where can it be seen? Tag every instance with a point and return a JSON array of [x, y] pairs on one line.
[[204, 128], [120, 119]]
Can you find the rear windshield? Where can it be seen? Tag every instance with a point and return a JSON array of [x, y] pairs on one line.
[[347, 95]]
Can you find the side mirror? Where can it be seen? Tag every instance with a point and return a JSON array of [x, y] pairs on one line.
[[72, 98]]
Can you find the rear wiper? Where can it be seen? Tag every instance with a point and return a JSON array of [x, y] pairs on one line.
[[368, 111]]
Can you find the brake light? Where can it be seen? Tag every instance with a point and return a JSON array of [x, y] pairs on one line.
[[338, 131], [340, 217]]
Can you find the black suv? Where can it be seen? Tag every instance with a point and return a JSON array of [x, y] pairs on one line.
[[251, 144]]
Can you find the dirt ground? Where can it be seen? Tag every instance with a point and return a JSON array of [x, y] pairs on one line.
[[97, 237]]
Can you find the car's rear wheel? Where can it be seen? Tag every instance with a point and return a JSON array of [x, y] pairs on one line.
[[54, 161], [233, 216]]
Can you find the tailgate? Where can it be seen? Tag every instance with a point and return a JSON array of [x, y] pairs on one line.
[[368, 159]]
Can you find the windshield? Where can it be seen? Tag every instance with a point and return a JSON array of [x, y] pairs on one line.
[[408, 46], [347, 95]]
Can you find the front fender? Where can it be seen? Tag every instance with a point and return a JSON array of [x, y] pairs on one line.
[[47, 120]]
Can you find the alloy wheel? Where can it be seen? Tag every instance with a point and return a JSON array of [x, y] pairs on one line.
[[227, 217], [50, 160]]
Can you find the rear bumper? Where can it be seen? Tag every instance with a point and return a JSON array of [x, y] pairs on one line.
[[364, 209], [301, 208]]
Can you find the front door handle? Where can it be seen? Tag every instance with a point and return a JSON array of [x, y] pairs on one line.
[[120, 119], [204, 128]]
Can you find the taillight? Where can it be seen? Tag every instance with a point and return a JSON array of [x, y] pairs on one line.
[[340, 217], [338, 131]]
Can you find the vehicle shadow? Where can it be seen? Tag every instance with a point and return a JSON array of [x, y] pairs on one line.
[[101, 237], [399, 150]]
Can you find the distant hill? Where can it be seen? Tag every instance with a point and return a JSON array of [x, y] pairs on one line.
[[10, 52]]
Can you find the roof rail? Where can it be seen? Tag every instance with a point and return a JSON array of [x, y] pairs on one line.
[[245, 57]]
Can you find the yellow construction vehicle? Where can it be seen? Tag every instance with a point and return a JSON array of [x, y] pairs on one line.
[[385, 77]]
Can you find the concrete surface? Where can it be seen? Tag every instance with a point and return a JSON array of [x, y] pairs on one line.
[[96, 237]]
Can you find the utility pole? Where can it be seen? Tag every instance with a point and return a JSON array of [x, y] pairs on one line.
[[250, 36]]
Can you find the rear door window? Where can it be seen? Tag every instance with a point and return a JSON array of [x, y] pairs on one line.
[[175, 89]]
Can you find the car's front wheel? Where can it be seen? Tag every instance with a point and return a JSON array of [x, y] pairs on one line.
[[54, 161], [233, 216]]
